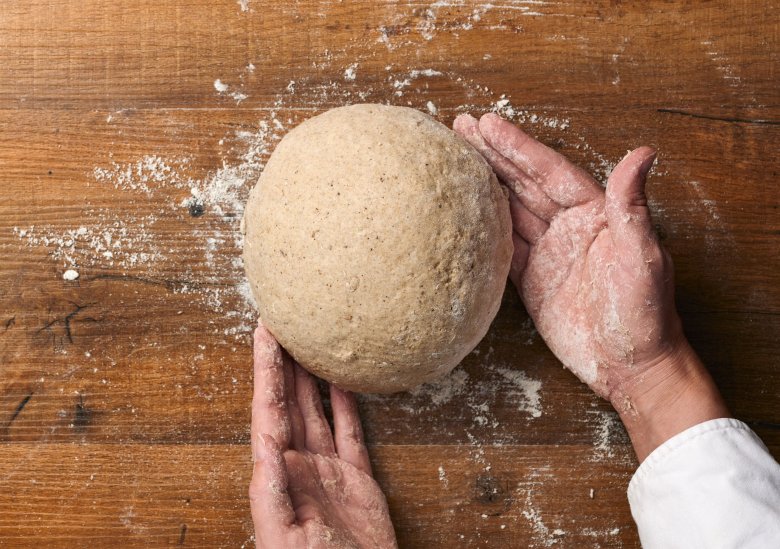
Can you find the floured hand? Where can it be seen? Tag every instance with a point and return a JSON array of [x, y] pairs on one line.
[[310, 488], [587, 263], [597, 282]]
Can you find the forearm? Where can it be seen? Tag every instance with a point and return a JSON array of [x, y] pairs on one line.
[[672, 396]]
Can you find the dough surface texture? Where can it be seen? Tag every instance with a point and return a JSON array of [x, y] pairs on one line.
[[377, 245]]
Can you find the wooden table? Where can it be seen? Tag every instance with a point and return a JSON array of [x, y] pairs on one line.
[[130, 133]]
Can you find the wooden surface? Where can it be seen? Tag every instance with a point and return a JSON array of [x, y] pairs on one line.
[[124, 394]]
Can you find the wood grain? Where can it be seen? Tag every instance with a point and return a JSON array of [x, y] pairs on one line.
[[194, 495], [124, 394]]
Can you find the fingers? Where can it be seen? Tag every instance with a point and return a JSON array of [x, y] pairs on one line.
[[348, 432], [269, 501], [318, 438], [561, 180], [626, 185], [626, 208], [525, 223], [517, 182], [519, 260], [269, 402], [307, 487], [297, 427]]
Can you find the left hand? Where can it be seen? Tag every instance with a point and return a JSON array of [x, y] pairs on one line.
[[310, 488]]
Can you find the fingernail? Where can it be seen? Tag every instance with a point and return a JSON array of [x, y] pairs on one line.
[[256, 449], [260, 448], [647, 164]]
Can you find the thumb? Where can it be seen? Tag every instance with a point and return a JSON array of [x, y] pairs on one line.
[[269, 501], [628, 216]]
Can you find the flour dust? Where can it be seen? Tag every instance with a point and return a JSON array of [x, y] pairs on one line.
[[207, 209]]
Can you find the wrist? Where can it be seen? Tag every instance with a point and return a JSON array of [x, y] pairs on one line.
[[671, 395]]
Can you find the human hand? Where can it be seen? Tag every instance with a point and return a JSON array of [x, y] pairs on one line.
[[310, 488], [587, 263], [591, 272]]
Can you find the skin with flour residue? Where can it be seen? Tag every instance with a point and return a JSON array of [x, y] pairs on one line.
[[587, 262], [311, 488]]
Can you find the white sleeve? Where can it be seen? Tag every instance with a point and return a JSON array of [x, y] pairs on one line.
[[714, 485]]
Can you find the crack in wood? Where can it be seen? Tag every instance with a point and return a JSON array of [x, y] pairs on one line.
[[70, 316], [66, 321], [10, 322], [733, 120], [182, 534], [18, 409]]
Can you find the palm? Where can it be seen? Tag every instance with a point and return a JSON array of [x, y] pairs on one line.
[[587, 264], [336, 502], [578, 294], [311, 487]]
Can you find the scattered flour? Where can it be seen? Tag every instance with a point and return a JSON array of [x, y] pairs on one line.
[[717, 238], [601, 447], [142, 175], [70, 275], [514, 385], [350, 73], [110, 242], [127, 240], [721, 63], [431, 19], [477, 402], [127, 519], [503, 106], [443, 477], [593, 533], [405, 80], [524, 389], [542, 535], [610, 440], [250, 542], [441, 391], [237, 95]]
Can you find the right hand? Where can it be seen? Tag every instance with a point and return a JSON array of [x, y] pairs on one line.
[[590, 269], [587, 263]]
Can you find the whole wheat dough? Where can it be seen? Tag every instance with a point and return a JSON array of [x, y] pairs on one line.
[[377, 246]]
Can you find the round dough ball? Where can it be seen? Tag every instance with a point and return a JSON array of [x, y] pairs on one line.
[[377, 246]]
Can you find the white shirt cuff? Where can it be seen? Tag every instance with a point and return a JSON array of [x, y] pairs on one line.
[[714, 485]]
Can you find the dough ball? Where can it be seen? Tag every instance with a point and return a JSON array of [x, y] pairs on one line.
[[377, 246]]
